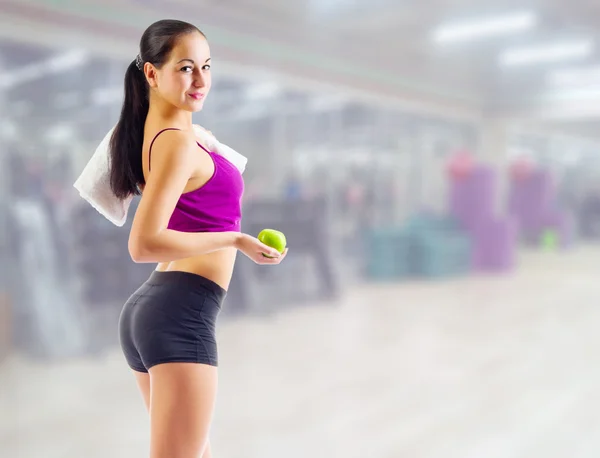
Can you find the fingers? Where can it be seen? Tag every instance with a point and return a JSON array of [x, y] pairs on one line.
[[272, 252], [272, 260], [268, 261], [282, 255]]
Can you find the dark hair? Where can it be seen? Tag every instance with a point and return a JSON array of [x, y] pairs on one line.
[[125, 150]]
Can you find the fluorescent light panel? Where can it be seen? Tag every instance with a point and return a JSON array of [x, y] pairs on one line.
[[263, 91], [498, 25], [548, 53], [581, 76], [38, 70]]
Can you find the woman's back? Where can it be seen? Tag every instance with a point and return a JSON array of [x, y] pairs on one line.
[[210, 202]]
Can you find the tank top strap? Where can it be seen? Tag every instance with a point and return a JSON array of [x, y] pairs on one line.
[[152, 143], [200, 145]]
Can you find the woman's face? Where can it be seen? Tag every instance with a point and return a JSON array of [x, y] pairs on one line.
[[184, 80]]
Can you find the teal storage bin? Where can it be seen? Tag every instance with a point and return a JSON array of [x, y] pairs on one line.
[[387, 254], [441, 254], [425, 247]]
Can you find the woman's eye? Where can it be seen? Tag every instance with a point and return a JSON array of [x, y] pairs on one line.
[[186, 68], [206, 67]]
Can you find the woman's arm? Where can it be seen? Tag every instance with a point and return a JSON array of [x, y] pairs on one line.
[[173, 161]]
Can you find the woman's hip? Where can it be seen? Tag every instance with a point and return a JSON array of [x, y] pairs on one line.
[[172, 316], [174, 299]]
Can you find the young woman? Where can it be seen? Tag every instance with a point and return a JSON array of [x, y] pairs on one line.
[[187, 221]]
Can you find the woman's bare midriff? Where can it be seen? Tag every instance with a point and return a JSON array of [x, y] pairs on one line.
[[216, 266]]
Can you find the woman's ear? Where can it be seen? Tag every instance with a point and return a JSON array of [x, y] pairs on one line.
[[151, 74]]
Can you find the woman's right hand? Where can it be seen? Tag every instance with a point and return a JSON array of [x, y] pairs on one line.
[[255, 250]]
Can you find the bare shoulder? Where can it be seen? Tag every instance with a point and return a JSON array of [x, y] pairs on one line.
[[173, 162], [173, 147]]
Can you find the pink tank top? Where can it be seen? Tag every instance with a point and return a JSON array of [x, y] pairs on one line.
[[214, 207]]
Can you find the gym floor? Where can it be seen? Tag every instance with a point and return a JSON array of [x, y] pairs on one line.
[[503, 367]]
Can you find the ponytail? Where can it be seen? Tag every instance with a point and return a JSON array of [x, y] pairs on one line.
[[125, 150]]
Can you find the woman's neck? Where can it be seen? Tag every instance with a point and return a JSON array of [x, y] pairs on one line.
[[163, 114]]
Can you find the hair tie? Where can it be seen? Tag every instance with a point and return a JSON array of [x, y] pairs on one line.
[[139, 63]]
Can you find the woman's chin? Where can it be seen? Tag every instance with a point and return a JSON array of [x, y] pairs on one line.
[[194, 106]]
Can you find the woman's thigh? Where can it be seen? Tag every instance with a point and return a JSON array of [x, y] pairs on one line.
[[182, 401], [143, 382]]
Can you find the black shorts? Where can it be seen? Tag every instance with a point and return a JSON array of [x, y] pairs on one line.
[[171, 318]]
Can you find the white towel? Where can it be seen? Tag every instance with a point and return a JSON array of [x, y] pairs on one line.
[[94, 182]]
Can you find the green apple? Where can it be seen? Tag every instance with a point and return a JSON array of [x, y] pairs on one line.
[[272, 238]]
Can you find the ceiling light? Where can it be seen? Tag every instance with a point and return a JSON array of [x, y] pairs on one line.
[[38, 70], [549, 53], [60, 134], [263, 91], [327, 103], [8, 130], [582, 76], [498, 25], [107, 95]]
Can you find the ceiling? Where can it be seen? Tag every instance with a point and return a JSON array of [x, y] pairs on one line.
[[383, 46], [390, 41], [45, 105]]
